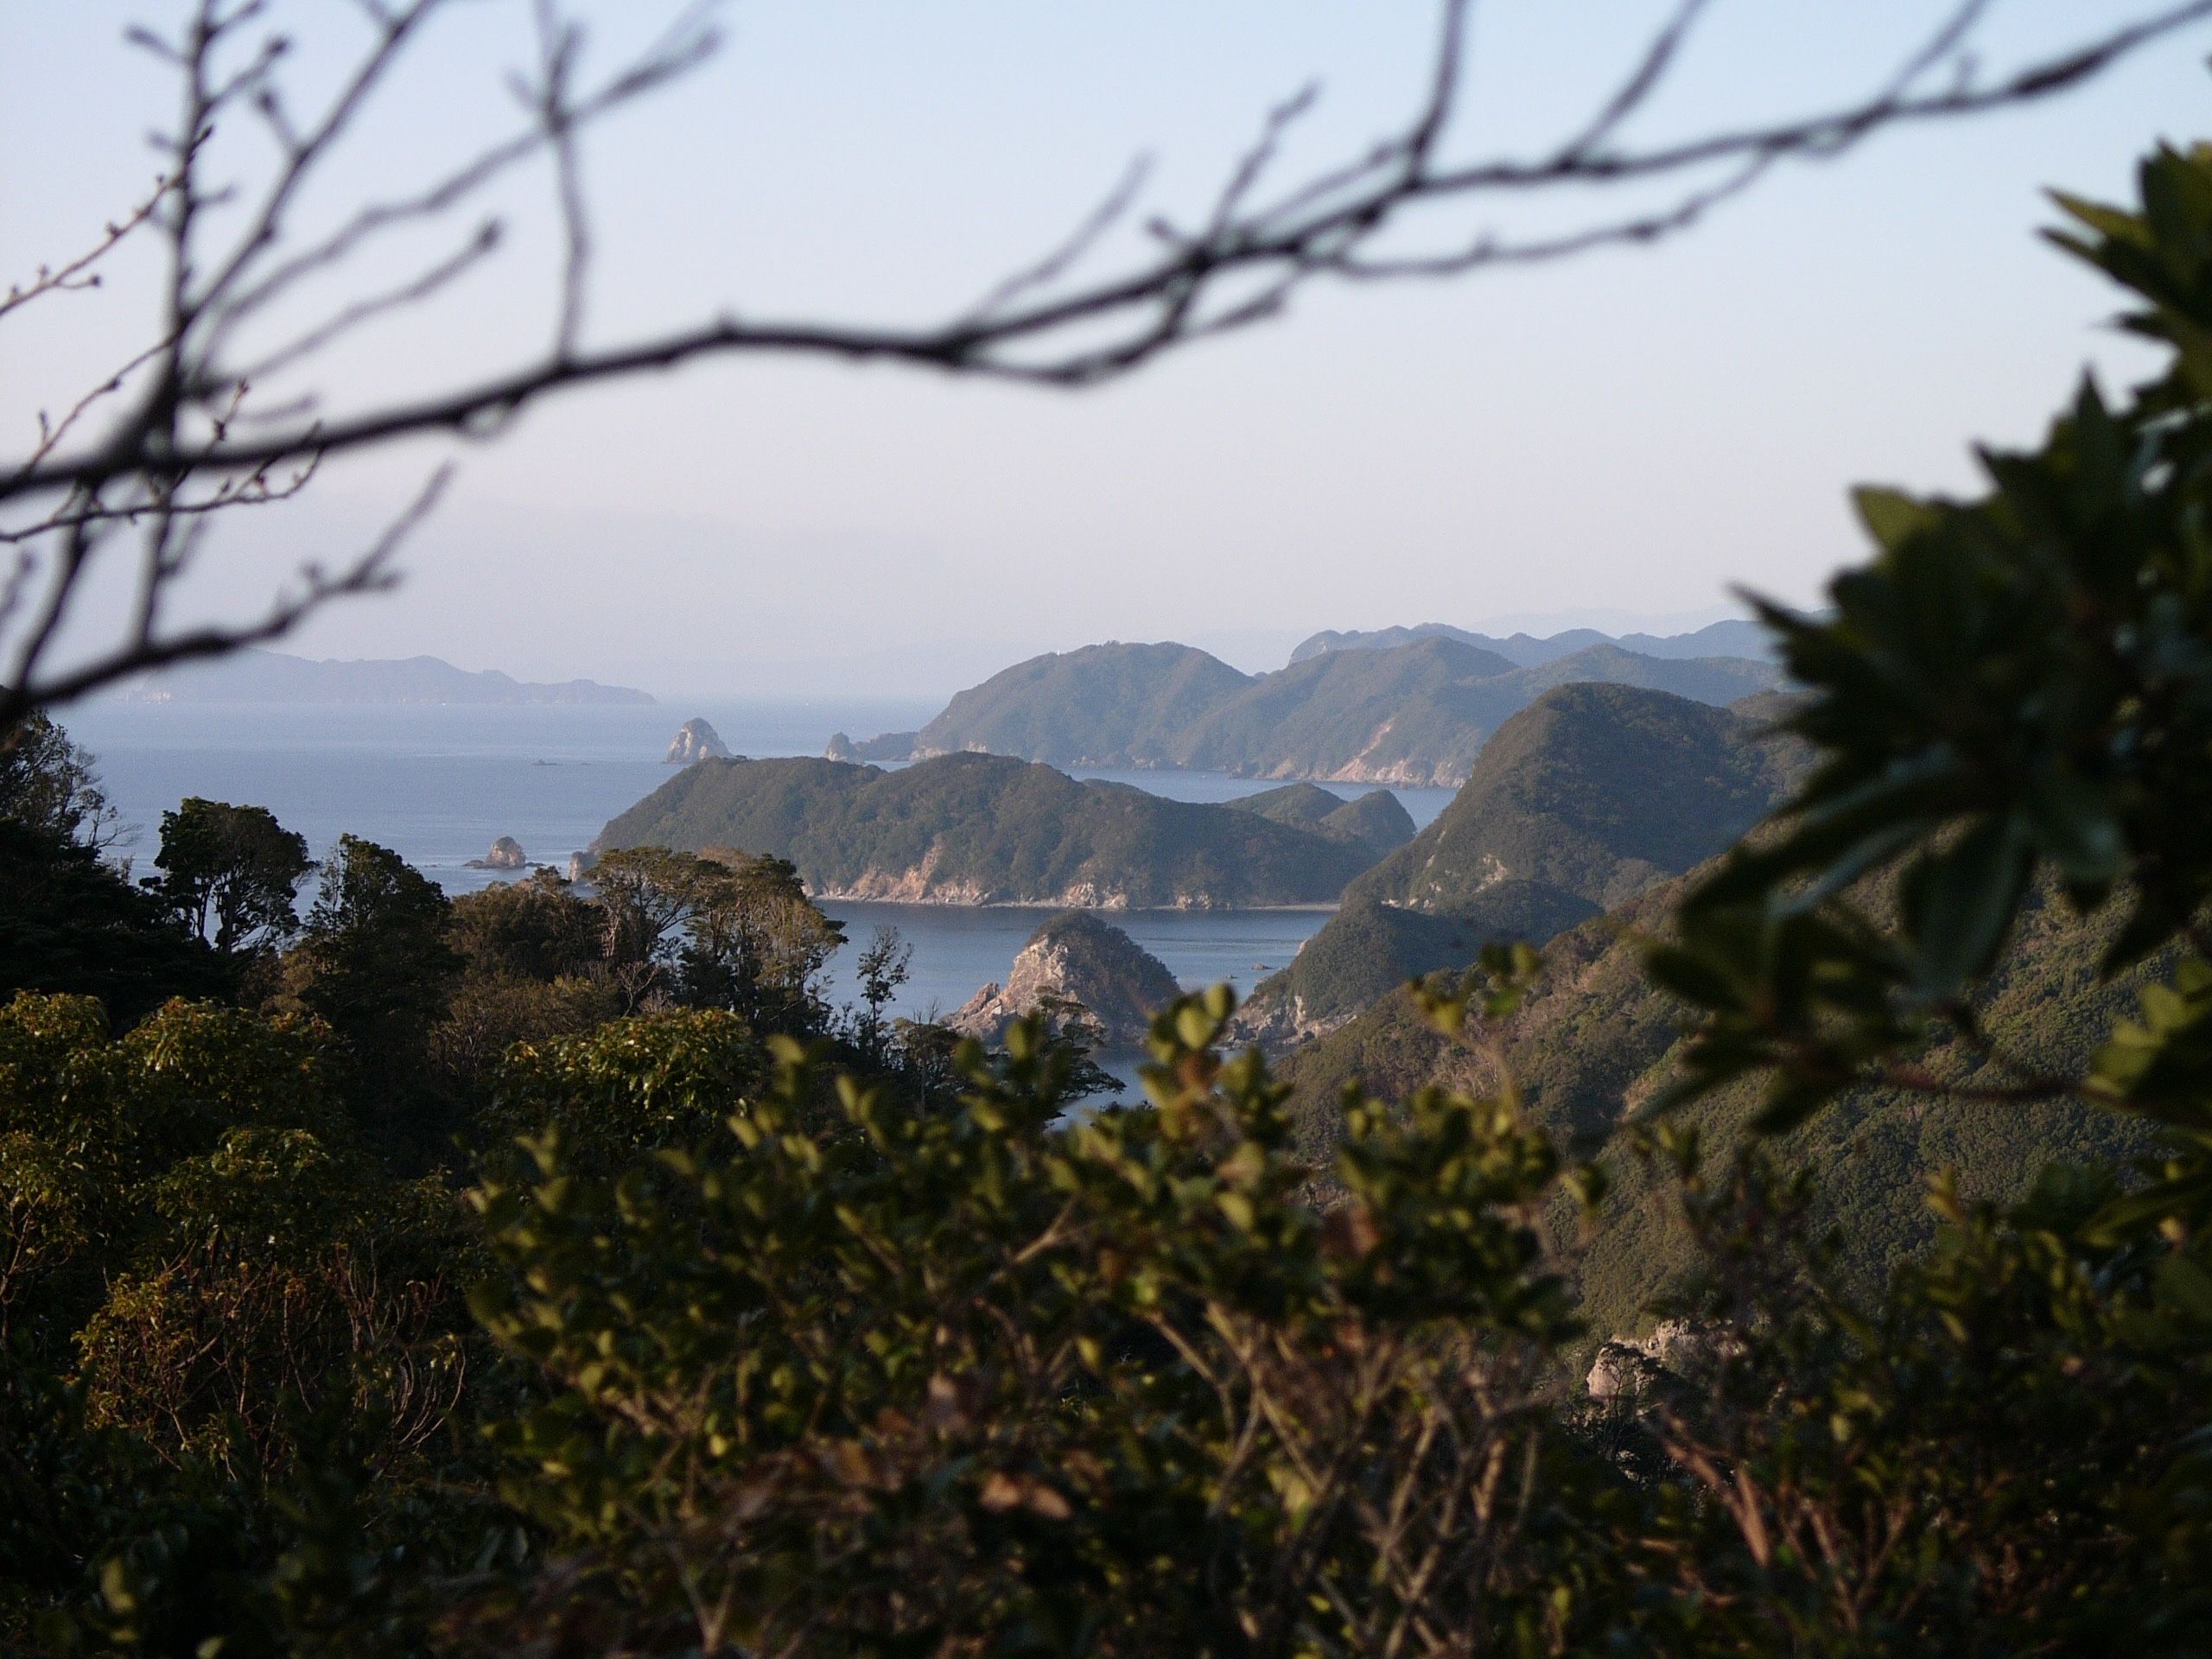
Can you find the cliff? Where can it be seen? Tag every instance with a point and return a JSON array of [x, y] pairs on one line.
[[695, 741]]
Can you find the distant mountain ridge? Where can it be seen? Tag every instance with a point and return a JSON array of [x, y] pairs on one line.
[[275, 677], [1732, 637], [1416, 713], [988, 830]]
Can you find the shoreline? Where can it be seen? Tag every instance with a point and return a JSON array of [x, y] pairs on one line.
[[1046, 904]]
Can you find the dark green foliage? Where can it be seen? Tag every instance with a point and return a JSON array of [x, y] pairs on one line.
[[48, 784], [881, 968], [985, 828], [2015, 684], [373, 959], [230, 873], [722, 929], [872, 1461], [72, 923], [538, 929], [1376, 820], [651, 1080], [68, 920]]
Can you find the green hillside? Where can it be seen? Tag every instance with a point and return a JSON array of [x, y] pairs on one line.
[[1580, 802], [1110, 705], [1594, 1041], [1417, 712], [978, 829], [1415, 715], [1703, 679], [1599, 789], [1377, 820]]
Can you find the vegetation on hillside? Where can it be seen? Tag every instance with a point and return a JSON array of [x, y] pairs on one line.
[[1417, 712], [1582, 800], [980, 828], [1377, 820]]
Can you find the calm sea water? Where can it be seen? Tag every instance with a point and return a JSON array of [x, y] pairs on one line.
[[439, 783]]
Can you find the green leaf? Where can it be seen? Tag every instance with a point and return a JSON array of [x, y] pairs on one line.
[[1891, 516]]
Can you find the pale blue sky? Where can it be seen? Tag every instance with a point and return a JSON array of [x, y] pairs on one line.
[[1629, 434]]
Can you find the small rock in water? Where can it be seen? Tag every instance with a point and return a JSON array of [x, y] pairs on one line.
[[507, 853]]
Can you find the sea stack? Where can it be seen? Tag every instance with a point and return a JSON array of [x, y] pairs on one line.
[[697, 741], [1083, 972], [507, 853]]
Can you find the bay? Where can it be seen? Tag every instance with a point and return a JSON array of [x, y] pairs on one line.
[[438, 783]]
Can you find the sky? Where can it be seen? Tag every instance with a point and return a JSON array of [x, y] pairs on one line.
[[1620, 439]]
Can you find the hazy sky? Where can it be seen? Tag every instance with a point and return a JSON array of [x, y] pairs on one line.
[[1620, 438]]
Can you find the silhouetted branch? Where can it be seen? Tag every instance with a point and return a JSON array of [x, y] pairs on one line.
[[187, 440]]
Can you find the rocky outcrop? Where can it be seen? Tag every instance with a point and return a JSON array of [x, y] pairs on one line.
[[580, 865], [1088, 977], [507, 853], [696, 741], [1677, 1354]]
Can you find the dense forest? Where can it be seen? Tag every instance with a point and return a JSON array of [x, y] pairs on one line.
[[547, 1273]]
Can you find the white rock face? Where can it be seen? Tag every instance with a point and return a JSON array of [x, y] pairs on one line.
[[507, 853], [1676, 1352], [1085, 971], [697, 741]]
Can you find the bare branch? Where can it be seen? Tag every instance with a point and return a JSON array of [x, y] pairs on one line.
[[187, 444], [371, 572], [77, 273]]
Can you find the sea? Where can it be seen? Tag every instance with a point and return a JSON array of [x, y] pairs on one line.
[[439, 782]]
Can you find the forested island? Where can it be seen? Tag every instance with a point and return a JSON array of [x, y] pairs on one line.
[[985, 829]]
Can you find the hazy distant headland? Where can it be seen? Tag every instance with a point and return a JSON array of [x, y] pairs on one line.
[[276, 677], [1406, 706], [1732, 637]]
